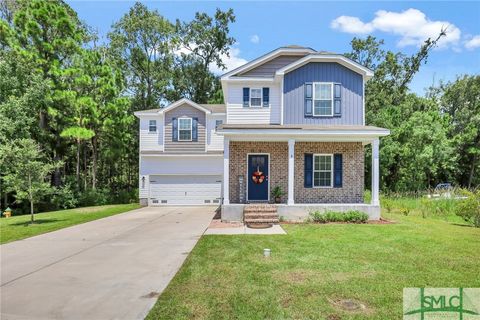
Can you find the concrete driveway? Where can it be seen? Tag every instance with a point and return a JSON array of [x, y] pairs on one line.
[[112, 268]]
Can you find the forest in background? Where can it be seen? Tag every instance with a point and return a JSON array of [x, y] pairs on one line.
[[68, 136]]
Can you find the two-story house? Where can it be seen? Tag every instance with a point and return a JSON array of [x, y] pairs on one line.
[[293, 118]]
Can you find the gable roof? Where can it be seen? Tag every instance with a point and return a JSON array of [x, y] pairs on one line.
[[327, 57], [292, 49], [310, 55], [207, 108]]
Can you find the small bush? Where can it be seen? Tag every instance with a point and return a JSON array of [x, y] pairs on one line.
[[469, 207], [94, 197], [64, 198], [405, 211], [352, 216]]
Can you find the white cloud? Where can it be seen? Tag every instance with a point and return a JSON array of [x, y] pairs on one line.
[[411, 25], [231, 62], [351, 25], [255, 39], [473, 43]]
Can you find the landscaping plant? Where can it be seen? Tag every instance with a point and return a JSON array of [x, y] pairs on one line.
[[469, 207]]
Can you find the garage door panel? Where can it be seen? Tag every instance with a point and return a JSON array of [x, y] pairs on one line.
[[178, 190]]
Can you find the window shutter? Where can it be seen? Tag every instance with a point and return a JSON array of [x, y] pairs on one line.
[[266, 97], [308, 173], [174, 129], [337, 170], [337, 102], [308, 99], [194, 129], [246, 97]]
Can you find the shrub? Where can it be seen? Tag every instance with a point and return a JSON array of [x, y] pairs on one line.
[[405, 211], [469, 207], [388, 205], [64, 198], [94, 197], [352, 216]]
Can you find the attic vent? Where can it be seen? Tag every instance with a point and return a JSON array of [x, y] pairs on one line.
[[164, 201]]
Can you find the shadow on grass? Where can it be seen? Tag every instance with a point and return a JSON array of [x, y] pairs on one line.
[[37, 221], [463, 225]]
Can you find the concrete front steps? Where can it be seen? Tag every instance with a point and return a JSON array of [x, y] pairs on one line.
[[260, 213]]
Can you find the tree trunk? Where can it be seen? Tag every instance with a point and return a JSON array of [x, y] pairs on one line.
[[77, 170], [30, 196], [94, 160], [472, 170]]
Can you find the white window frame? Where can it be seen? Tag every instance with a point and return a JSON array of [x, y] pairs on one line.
[[150, 125], [331, 98], [331, 170], [261, 98], [221, 122], [191, 129]]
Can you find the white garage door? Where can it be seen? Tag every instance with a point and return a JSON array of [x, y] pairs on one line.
[[185, 190]]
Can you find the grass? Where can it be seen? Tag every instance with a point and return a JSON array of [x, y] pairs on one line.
[[226, 277], [19, 227]]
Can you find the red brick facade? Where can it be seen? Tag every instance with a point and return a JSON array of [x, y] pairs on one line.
[[353, 170]]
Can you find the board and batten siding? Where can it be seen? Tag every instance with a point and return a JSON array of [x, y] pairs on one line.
[[214, 140], [269, 68], [352, 93], [185, 111], [152, 141], [238, 114]]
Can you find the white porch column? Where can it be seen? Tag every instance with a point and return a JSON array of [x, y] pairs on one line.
[[226, 170], [291, 171], [375, 172]]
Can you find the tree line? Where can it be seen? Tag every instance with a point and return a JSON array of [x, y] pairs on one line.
[[67, 98]]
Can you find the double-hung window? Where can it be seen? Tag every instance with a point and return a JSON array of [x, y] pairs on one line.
[[322, 99], [152, 126], [322, 170], [218, 123], [185, 129], [255, 97]]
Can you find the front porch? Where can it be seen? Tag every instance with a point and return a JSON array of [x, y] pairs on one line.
[[315, 170]]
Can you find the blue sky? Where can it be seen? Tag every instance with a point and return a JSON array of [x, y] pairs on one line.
[[263, 26]]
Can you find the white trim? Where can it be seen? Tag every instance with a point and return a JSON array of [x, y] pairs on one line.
[[226, 171], [267, 177], [281, 102], [331, 99], [265, 58], [331, 171], [375, 172], [304, 132], [291, 172], [181, 155], [352, 65], [363, 99], [191, 130], [183, 101], [250, 98], [155, 125]]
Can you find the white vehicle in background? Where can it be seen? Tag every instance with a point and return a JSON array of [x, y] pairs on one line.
[[442, 190]]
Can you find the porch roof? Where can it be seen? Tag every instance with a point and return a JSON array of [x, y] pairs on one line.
[[302, 132]]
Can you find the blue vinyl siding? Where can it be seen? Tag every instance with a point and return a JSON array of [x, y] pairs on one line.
[[351, 93]]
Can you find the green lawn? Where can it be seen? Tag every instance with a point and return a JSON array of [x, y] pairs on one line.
[[315, 266], [19, 227]]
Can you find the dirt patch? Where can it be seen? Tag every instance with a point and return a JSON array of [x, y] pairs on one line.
[[381, 221], [349, 305], [297, 276], [151, 295], [217, 223], [345, 276]]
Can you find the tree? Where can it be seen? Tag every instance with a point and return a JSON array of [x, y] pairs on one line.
[[205, 41], [47, 34], [143, 41], [461, 100], [27, 171]]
